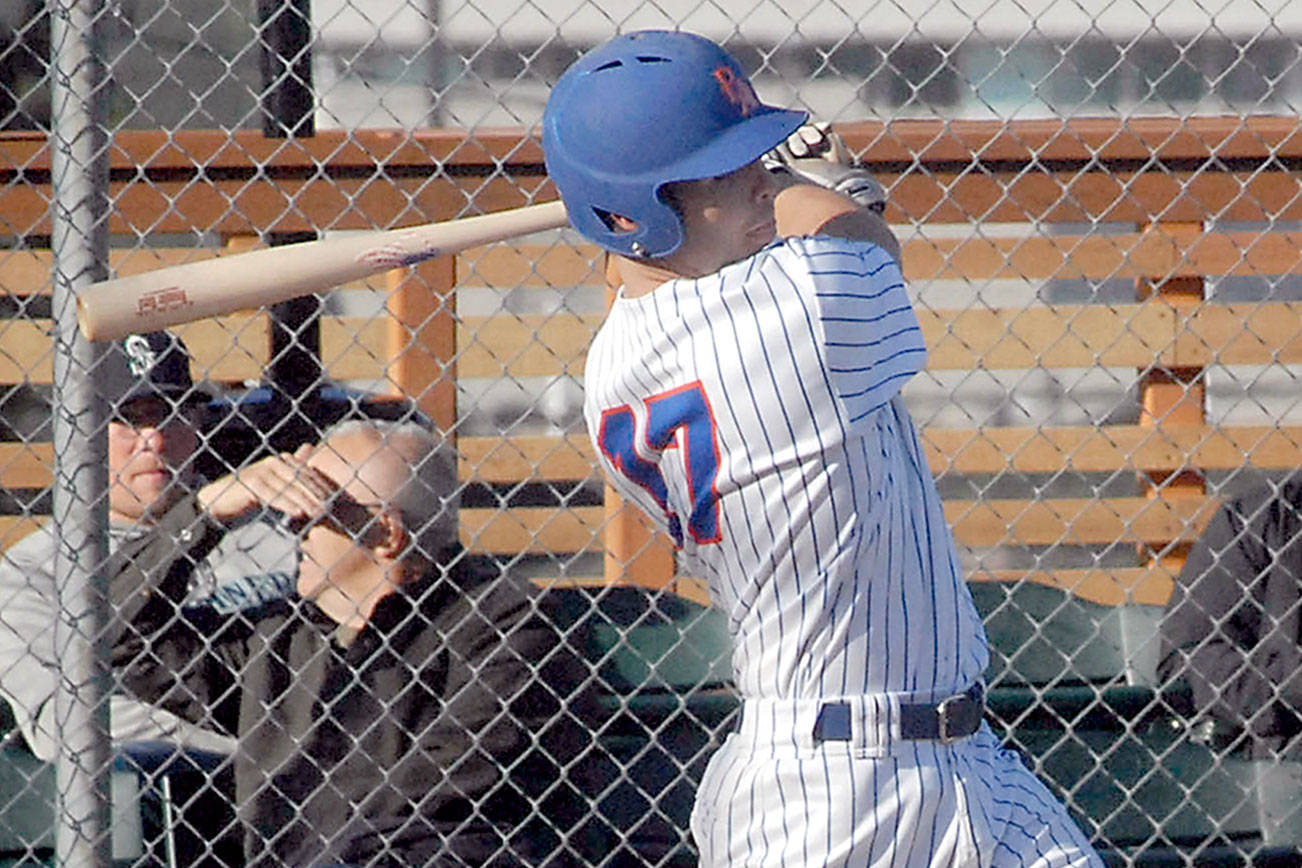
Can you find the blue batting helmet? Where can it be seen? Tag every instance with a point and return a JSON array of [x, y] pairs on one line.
[[642, 111]]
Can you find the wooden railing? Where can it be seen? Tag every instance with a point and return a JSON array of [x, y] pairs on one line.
[[975, 202]]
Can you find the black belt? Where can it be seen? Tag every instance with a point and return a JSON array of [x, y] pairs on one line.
[[946, 721]]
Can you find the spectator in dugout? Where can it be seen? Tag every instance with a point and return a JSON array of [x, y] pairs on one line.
[[152, 438], [411, 706], [1233, 626]]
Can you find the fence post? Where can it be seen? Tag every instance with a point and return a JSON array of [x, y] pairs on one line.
[[79, 238], [1173, 396], [287, 101], [422, 338]]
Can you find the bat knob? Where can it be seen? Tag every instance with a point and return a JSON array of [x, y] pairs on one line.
[[86, 322]]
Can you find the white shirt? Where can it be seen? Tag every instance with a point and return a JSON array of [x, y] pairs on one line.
[[754, 414]]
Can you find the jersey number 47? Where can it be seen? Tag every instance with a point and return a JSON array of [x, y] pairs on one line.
[[679, 417]]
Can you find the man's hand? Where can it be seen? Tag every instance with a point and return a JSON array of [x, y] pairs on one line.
[[814, 141], [282, 482], [815, 154]]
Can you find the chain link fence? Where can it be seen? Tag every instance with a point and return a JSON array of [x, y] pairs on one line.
[[1101, 234]]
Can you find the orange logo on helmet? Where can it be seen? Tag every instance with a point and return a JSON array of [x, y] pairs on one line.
[[737, 90]]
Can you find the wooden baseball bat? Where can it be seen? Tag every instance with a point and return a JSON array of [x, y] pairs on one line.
[[146, 302]]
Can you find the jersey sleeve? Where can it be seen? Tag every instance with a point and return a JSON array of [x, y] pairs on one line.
[[872, 342]]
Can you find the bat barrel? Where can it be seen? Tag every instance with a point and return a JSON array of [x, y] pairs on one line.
[[112, 309]]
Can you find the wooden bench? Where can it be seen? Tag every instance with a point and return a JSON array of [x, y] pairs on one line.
[[1162, 177], [1162, 208], [1158, 176]]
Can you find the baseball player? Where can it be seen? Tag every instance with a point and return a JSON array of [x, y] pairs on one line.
[[744, 392]]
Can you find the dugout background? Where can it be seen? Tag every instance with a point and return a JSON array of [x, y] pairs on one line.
[[157, 140]]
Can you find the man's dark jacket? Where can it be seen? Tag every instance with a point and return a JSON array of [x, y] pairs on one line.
[[423, 740], [1233, 627]]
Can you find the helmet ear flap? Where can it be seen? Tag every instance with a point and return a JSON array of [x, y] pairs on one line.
[[618, 224], [640, 229]]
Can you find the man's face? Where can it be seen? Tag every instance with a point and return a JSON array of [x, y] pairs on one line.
[[149, 442], [725, 219], [337, 549]]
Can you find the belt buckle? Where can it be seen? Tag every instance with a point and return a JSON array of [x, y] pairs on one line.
[[943, 720]]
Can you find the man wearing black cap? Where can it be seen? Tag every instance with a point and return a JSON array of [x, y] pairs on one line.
[[152, 439]]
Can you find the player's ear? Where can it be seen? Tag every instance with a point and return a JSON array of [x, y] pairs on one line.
[[617, 222]]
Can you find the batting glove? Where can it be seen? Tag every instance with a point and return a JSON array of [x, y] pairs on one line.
[[815, 154]]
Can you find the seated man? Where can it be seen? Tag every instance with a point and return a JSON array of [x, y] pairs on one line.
[[152, 436], [410, 707], [1233, 627]]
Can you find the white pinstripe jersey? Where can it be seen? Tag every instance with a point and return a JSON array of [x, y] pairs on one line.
[[754, 414]]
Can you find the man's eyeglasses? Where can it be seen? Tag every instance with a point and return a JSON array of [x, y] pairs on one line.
[[344, 514]]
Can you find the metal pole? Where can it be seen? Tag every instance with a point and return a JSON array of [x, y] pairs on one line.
[[78, 160], [288, 104]]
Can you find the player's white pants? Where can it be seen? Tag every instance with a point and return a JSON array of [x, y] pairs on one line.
[[772, 797]]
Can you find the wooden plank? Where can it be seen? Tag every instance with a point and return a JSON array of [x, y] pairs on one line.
[[1233, 447], [1173, 397], [243, 206], [348, 179], [528, 530], [535, 345], [1083, 139], [421, 341], [227, 349], [533, 530], [1109, 587], [26, 351], [552, 344], [1059, 336], [1155, 254], [355, 348], [935, 197], [544, 530], [372, 150], [487, 460], [26, 465], [1167, 448], [27, 272], [501, 345], [1078, 521], [233, 348], [1239, 334], [541, 530], [932, 197], [1120, 335], [1116, 197], [14, 527], [1239, 254], [989, 451], [1098, 139], [532, 265], [526, 459]]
